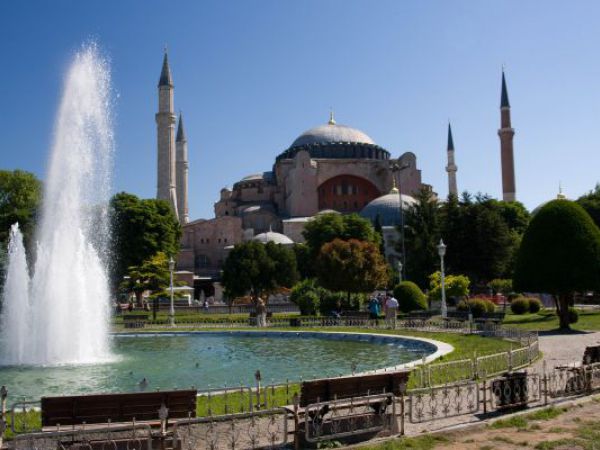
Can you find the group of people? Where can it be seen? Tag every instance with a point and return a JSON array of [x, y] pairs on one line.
[[386, 303]]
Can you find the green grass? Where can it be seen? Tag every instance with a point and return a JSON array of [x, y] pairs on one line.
[[426, 442], [513, 422], [546, 320], [521, 421], [31, 420]]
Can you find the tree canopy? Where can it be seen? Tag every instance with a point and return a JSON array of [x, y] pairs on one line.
[[141, 229], [351, 266], [327, 227], [256, 268], [559, 254], [454, 285], [591, 203], [151, 275], [20, 195]]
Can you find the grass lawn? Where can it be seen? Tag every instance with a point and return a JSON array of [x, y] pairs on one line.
[[546, 320]]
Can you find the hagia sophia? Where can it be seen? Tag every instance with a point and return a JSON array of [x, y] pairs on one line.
[[331, 168]]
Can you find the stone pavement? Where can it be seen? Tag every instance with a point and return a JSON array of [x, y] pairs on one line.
[[564, 348]]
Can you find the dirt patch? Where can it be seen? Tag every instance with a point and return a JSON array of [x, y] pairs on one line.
[[573, 427]]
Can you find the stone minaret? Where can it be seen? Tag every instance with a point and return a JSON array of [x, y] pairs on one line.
[[182, 172], [451, 167], [506, 133], [165, 127]]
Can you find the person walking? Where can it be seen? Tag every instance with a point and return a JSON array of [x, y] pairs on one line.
[[391, 311], [374, 309]]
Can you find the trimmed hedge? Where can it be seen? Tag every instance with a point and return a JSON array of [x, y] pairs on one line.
[[519, 305], [534, 305], [477, 306], [410, 297]]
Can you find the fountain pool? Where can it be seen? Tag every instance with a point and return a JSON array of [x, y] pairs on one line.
[[215, 359]]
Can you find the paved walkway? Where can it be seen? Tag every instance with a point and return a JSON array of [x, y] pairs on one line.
[[562, 349]]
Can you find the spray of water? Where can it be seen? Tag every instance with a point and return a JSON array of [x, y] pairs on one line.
[[66, 320]]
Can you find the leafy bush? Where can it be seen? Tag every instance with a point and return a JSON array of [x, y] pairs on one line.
[[307, 295], [454, 285], [477, 306], [534, 305], [410, 297], [519, 305], [501, 286], [330, 299], [573, 315]]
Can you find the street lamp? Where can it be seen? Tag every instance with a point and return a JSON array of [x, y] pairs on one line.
[[442, 252], [172, 308], [396, 168], [399, 271]]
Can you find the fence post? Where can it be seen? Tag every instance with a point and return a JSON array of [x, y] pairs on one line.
[[510, 359], [484, 396], [402, 409], [545, 381], [3, 395], [297, 423], [475, 366]]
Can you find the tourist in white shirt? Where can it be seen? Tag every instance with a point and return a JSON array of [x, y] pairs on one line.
[[391, 310]]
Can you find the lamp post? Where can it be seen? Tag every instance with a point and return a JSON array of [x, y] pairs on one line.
[[172, 307], [396, 168], [442, 252], [399, 271]]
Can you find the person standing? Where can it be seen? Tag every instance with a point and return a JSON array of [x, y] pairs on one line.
[[374, 309], [261, 313], [391, 311]]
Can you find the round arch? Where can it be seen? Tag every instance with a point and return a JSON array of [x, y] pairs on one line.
[[346, 193]]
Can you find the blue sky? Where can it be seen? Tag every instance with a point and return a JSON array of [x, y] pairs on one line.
[[250, 76]]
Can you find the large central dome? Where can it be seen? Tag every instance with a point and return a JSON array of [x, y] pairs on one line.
[[332, 133], [335, 141]]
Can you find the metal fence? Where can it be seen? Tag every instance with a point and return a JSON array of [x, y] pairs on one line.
[[267, 424]]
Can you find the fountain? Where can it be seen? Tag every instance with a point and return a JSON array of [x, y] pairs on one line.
[[61, 315]]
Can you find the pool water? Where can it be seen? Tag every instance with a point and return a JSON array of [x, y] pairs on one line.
[[213, 360]]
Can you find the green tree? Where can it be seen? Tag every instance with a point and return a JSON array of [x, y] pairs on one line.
[[304, 262], [591, 203], [501, 286], [351, 266], [422, 234], [152, 275], [141, 228], [455, 286], [327, 227], [256, 268], [559, 255], [20, 194]]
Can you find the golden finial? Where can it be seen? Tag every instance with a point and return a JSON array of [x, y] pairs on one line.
[[394, 189], [560, 195], [331, 118]]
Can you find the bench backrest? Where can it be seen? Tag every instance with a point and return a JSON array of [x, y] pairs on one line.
[[591, 354], [328, 389], [100, 408]]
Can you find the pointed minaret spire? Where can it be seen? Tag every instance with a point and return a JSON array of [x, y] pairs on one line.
[[180, 131], [451, 168], [450, 140], [504, 103], [181, 175], [506, 134], [165, 130], [165, 73]]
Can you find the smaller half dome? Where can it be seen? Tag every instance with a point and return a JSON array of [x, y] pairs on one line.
[[387, 207], [272, 236]]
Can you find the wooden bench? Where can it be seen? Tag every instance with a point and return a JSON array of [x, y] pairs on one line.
[[135, 320], [359, 390], [117, 408]]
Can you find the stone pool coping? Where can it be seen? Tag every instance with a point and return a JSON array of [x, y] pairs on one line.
[[442, 348]]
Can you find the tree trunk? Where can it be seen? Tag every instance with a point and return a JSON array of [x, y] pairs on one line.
[[564, 311], [139, 300]]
